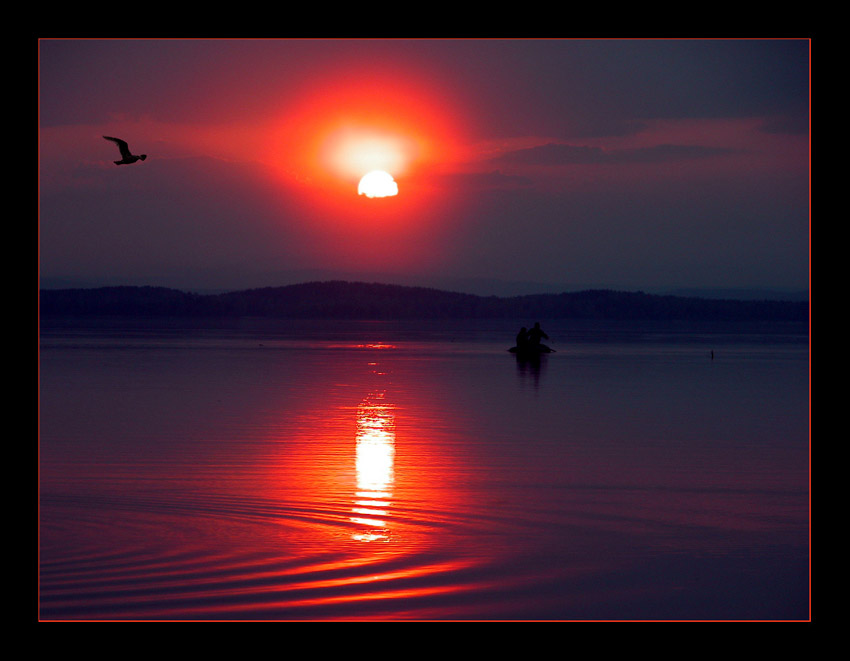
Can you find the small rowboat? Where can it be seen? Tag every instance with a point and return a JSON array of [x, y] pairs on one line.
[[531, 351]]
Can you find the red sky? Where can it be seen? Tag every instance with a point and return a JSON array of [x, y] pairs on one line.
[[630, 164]]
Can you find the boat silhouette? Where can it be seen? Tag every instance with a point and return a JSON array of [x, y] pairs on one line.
[[534, 350]]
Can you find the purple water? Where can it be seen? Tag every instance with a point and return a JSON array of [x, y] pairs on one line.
[[377, 470]]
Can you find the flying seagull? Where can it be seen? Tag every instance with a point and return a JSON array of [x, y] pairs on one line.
[[126, 156]]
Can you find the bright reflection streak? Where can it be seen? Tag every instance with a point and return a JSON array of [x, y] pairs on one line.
[[374, 464]]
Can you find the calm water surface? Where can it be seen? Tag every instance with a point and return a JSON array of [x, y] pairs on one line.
[[377, 470]]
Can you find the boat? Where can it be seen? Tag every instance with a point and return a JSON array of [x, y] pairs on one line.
[[531, 351]]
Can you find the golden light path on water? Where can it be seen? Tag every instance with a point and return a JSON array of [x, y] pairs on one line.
[[393, 548], [374, 463]]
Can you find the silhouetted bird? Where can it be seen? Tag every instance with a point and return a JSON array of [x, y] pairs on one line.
[[126, 156]]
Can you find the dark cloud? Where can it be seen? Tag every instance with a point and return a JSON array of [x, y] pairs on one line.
[[553, 154], [564, 88], [558, 154], [787, 124], [479, 180], [570, 88]]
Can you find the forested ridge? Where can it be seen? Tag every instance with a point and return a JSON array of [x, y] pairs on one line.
[[358, 300]]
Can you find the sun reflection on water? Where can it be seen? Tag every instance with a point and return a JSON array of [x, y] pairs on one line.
[[374, 465]]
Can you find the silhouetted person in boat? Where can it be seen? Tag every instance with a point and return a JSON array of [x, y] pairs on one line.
[[522, 339], [535, 335], [126, 156]]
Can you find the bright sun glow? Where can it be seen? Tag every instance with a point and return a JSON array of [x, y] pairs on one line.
[[377, 183], [350, 150]]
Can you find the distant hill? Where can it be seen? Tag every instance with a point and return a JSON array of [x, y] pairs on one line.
[[742, 294], [358, 300]]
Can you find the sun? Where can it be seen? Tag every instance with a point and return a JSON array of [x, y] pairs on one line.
[[377, 183]]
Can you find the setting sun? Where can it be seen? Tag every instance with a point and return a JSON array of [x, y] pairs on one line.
[[340, 128], [343, 126], [377, 183]]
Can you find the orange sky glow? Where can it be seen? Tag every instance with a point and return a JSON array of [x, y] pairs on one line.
[[339, 131]]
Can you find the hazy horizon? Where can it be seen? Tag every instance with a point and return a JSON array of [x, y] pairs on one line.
[[476, 286]]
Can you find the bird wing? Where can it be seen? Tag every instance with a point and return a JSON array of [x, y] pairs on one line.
[[123, 147]]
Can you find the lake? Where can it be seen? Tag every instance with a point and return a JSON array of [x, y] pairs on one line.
[[297, 470]]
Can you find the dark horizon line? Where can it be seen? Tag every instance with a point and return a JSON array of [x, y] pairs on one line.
[[338, 299], [763, 293]]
